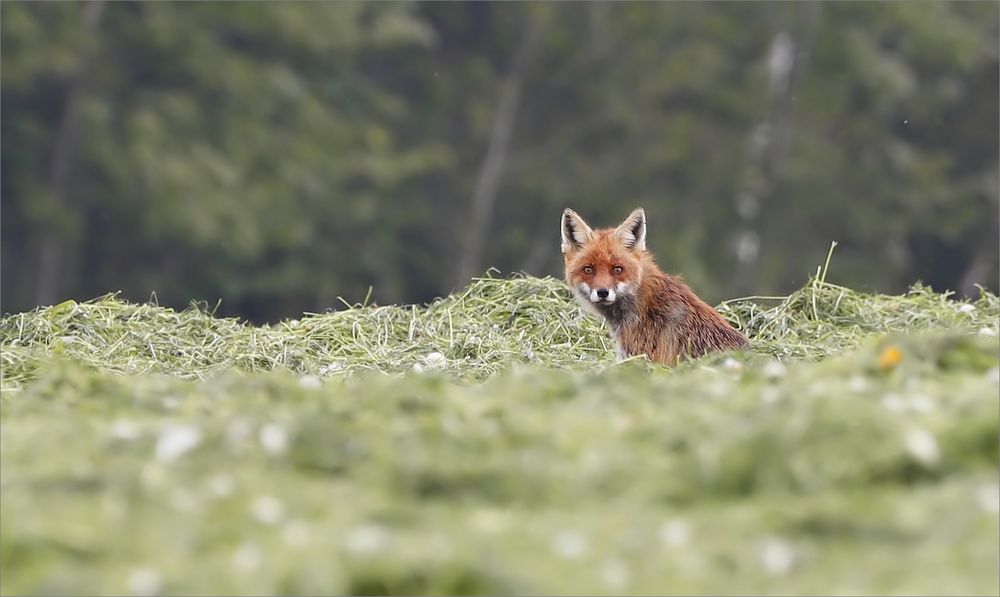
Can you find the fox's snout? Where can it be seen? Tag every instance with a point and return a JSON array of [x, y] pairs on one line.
[[598, 296]]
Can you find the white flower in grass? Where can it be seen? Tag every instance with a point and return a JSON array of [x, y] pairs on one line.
[[153, 475], [732, 365], [569, 545], [237, 431], [893, 403], [273, 438], [331, 368], [615, 574], [435, 360], [310, 382], [366, 539], [818, 388], [777, 557], [966, 308], [175, 441], [221, 485], [921, 404], [987, 331], [439, 545], [923, 447], [171, 402], [774, 370], [720, 388], [295, 533], [267, 509], [988, 498], [490, 521], [183, 500], [621, 422], [770, 394], [858, 384], [247, 557], [144, 581], [675, 533], [124, 429]]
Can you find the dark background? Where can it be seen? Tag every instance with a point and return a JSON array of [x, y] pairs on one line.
[[279, 155]]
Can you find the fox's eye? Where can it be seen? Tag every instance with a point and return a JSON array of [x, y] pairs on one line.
[[618, 269], [588, 270]]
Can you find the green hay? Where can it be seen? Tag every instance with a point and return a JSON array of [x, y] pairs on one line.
[[492, 324]]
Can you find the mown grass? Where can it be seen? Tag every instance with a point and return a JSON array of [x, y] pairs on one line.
[[490, 325], [488, 443]]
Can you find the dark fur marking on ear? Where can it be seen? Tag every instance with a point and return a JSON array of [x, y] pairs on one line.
[[633, 230], [571, 229], [638, 225]]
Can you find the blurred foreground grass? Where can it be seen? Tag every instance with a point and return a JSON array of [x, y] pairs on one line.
[[489, 444]]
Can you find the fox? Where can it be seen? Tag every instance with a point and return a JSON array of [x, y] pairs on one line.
[[649, 312]]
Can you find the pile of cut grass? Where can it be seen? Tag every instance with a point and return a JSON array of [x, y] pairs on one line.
[[492, 323], [472, 335], [823, 319]]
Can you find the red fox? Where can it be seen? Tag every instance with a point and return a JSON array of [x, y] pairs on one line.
[[649, 312]]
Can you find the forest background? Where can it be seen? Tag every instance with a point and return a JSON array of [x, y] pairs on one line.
[[278, 156]]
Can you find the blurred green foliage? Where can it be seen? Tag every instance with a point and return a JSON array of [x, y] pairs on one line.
[[806, 478], [279, 155]]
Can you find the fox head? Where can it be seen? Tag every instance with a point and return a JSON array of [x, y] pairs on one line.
[[604, 267]]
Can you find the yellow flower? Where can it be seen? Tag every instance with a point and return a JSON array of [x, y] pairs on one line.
[[889, 357]]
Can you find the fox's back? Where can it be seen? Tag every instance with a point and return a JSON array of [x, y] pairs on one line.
[[672, 323]]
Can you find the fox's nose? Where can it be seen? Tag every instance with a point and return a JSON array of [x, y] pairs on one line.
[[602, 293]]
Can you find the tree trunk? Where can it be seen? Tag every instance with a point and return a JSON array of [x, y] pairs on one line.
[[770, 141], [51, 251], [491, 170], [982, 266]]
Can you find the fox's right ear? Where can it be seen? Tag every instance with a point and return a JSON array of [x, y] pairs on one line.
[[575, 232], [633, 230]]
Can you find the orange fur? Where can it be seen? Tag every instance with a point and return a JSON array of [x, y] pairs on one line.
[[650, 312]]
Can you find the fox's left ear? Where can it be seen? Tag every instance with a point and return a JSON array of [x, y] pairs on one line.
[[575, 232], [632, 231]]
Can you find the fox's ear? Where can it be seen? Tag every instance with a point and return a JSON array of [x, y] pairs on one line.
[[632, 231], [575, 231]]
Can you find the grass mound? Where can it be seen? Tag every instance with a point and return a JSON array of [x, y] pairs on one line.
[[492, 323], [474, 334], [487, 443]]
